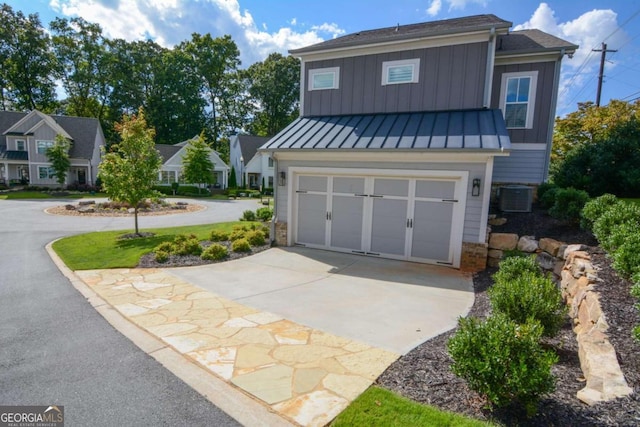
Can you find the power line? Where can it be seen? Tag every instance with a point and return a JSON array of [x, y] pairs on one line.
[[604, 51]]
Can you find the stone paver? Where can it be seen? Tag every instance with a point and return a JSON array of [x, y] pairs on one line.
[[304, 374]]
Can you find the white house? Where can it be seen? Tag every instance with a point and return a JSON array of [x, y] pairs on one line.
[[171, 170], [256, 167]]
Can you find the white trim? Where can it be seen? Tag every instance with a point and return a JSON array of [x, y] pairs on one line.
[[490, 68], [528, 146], [527, 58], [486, 200], [414, 63], [531, 102], [395, 156], [303, 73], [44, 140], [24, 143], [333, 71]]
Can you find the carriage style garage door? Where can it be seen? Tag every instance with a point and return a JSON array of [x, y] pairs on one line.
[[409, 218]]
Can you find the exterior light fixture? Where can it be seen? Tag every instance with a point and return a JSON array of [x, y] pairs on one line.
[[475, 189], [283, 179]]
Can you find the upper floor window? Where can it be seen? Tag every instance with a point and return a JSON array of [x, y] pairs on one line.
[[270, 162], [398, 72], [517, 98], [43, 146], [324, 78], [20, 145]]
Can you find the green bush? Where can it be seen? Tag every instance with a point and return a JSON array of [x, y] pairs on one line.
[[238, 232], [530, 296], [190, 246], [264, 214], [568, 204], [619, 234], [594, 209], [614, 216], [543, 189], [218, 236], [266, 231], [241, 245], [248, 216], [214, 252], [548, 197], [192, 190], [255, 238], [511, 268], [503, 360], [161, 256], [165, 247], [626, 258]]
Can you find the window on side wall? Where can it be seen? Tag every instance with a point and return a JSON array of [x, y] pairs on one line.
[[270, 162], [21, 145], [399, 72], [324, 78], [517, 99], [43, 146]]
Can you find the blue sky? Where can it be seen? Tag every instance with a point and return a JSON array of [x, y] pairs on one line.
[[260, 27]]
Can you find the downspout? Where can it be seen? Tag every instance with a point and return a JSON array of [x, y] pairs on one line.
[[276, 186], [488, 78], [552, 116], [302, 87]]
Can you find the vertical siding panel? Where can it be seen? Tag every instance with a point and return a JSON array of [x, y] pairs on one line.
[[380, 100], [358, 75], [371, 81], [443, 89], [432, 57], [457, 68]]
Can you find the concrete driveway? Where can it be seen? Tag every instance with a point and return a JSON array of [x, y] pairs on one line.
[[393, 305]]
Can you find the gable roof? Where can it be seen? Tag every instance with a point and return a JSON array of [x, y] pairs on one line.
[[249, 145], [409, 32], [467, 130], [531, 41]]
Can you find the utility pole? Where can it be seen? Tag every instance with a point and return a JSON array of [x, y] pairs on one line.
[[601, 74]]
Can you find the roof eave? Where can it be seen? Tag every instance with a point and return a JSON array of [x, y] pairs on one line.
[[563, 49]]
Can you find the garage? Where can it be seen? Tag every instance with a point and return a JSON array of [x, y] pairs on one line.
[[415, 216]]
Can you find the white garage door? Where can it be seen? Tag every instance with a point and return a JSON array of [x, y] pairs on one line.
[[411, 218]]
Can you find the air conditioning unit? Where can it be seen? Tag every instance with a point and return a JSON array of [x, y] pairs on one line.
[[516, 198]]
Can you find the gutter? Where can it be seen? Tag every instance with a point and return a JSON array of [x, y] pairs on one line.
[[552, 114], [488, 78]]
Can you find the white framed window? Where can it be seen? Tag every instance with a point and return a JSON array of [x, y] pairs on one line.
[[21, 145], [42, 146], [168, 177], [270, 162], [399, 72], [46, 172], [324, 78], [518, 98]]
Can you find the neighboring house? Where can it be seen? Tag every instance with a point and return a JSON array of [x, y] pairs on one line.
[[250, 163], [25, 138], [403, 131], [171, 170]]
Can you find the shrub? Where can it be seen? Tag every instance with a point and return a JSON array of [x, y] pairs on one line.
[[190, 246], [218, 236], [266, 231], [238, 232], [548, 197], [241, 245], [544, 188], [192, 191], [214, 252], [618, 236], [626, 258], [530, 296], [255, 238], [264, 214], [502, 360], [594, 209], [248, 215], [614, 216], [161, 256], [568, 204], [165, 247], [511, 268]]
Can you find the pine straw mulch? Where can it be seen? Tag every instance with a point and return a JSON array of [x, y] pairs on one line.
[[423, 374]]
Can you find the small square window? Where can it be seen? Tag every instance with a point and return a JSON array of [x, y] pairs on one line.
[[398, 72], [324, 78], [270, 162], [20, 145]]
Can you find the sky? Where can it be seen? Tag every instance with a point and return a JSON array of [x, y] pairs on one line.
[[260, 27]]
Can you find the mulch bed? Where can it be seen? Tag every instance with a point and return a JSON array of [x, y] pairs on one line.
[[423, 374]]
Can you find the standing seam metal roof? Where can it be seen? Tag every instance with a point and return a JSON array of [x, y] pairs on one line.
[[436, 130]]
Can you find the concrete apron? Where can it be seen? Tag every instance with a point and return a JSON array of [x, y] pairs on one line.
[[303, 331]]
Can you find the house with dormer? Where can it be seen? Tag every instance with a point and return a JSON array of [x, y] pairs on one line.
[[252, 167], [26, 137], [403, 132]]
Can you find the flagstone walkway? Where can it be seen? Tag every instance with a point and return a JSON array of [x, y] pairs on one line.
[[304, 374]]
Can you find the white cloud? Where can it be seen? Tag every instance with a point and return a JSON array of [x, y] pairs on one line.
[[169, 22], [435, 7]]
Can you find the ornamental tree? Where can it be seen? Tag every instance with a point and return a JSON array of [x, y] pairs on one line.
[[197, 164], [58, 156], [130, 169]]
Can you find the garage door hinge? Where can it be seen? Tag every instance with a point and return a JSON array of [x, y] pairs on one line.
[[301, 191], [450, 200]]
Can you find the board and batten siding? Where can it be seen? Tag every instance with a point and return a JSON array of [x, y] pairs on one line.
[[544, 94], [473, 212], [450, 78], [522, 167]]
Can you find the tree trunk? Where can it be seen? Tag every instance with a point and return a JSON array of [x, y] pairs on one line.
[[135, 215]]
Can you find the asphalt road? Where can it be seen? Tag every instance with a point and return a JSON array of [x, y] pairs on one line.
[[55, 349]]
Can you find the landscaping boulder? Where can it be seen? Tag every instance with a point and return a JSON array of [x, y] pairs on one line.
[[546, 261], [527, 244], [498, 221], [503, 241], [573, 248], [86, 202], [550, 246]]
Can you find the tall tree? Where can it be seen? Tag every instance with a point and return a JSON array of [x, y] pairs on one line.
[[197, 165], [275, 87], [58, 156], [130, 170], [28, 63]]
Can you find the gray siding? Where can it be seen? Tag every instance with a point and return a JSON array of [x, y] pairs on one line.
[[450, 78], [474, 204], [541, 115], [522, 166]]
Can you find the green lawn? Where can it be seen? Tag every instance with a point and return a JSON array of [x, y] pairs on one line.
[[25, 195], [380, 407], [104, 249]]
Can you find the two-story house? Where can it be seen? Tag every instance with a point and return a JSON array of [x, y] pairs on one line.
[[402, 132], [252, 167], [25, 138]]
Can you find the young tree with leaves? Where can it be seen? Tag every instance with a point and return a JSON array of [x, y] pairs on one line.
[[130, 170], [58, 156], [233, 181], [197, 164]]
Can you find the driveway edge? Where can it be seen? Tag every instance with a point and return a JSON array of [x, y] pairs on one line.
[[235, 403]]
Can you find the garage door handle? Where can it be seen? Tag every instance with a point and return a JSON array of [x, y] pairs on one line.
[[301, 191], [375, 195], [361, 195], [329, 216], [450, 200]]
